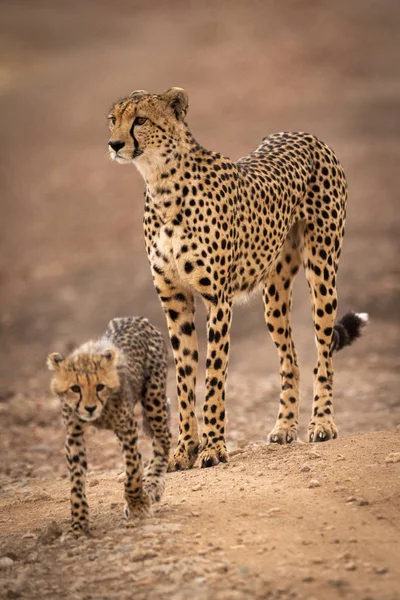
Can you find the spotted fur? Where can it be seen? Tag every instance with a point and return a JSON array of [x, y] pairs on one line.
[[221, 229], [100, 383]]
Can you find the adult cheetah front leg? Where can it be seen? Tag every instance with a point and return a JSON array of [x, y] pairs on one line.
[[179, 310], [219, 320], [277, 298]]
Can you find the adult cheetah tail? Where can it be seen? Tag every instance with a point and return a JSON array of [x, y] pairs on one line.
[[347, 330]]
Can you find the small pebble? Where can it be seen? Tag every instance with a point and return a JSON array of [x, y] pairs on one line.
[[6, 561], [29, 536], [314, 483], [93, 482], [393, 457], [350, 566], [314, 455], [381, 570], [305, 468], [357, 500]]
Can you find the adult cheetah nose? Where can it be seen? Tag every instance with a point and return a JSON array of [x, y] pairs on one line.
[[116, 145], [90, 409]]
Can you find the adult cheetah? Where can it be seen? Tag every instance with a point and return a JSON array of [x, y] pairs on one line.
[[220, 228], [99, 384]]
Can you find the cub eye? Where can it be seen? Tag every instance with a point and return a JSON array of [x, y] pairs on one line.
[[140, 120], [76, 389], [112, 119], [100, 387]]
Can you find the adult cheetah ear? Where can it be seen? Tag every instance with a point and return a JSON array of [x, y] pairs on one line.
[[54, 361], [178, 100], [138, 93], [108, 357]]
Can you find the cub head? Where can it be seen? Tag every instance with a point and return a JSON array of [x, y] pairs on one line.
[[84, 381], [146, 126]]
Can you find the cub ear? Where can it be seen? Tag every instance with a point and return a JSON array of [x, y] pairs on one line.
[[108, 356], [138, 93], [54, 361], [178, 100]]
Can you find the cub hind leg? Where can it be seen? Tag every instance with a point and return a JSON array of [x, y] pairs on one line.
[[156, 422]]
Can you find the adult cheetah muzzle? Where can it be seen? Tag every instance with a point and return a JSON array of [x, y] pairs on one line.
[[218, 229]]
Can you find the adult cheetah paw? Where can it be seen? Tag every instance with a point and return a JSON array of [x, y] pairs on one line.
[[283, 434], [322, 431], [211, 456], [183, 458]]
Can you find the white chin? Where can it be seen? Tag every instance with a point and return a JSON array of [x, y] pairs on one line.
[[123, 161], [88, 419]]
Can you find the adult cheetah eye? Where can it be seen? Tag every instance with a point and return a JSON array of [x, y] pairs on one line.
[[140, 121], [112, 119], [76, 389], [100, 387]]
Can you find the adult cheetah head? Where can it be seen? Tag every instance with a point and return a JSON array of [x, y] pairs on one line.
[[84, 381], [146, 127]]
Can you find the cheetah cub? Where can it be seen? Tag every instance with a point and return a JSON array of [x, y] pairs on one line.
[[100, 383]]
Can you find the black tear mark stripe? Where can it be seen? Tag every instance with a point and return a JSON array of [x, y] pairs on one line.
[[135, 142], [79, 401]]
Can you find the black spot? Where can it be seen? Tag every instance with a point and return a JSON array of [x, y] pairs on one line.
[[188, 267], [205, 281], [175, 343]]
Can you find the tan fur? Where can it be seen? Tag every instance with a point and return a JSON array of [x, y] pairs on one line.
[[100, 383], [220, 229]]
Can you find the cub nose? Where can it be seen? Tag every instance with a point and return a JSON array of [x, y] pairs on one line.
[[90, 409], [116, 145]]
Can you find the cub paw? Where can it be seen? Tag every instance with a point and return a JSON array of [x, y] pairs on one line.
[[183, 458], [283, 434], [211, 456], [154, 489], [322, 431], [78, 530], [139, 510]]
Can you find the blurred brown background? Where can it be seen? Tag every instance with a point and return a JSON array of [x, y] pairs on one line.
[[72, 250]]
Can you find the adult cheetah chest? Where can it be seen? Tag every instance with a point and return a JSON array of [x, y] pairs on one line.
[[177, 256]]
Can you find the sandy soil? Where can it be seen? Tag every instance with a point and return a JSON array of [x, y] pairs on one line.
[[72, 257], [276, 522]]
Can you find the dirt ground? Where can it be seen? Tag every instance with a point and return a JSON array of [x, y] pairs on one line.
[[72, 257]]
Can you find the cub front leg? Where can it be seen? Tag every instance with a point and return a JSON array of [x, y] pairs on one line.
[[219, 318], [77, 465], [138, 502]]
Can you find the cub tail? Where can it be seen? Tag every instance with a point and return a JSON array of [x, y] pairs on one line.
[[347, 330]]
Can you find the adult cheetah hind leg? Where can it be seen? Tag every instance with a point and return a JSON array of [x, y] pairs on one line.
[[321, 267], [277, 296]]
